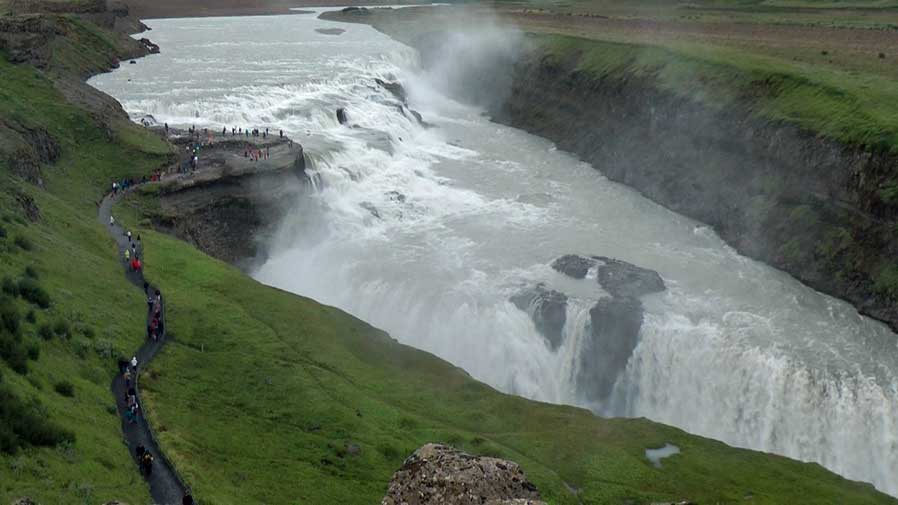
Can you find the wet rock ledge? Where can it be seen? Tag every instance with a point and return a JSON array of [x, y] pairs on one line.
[[229, 204]]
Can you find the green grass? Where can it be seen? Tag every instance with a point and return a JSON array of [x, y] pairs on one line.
[[851, 109], [93, 316], [260, 391]]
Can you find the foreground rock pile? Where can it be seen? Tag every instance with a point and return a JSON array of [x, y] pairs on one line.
[[439, 474]]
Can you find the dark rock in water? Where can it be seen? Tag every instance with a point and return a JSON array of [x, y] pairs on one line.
[[396, 196], [438, 474], [149, 45], [299, 164], [547, 309], [370, 208], [361, 11], [573, 265], [330, 31], [133, 62], [341, 115], [395, 88], [615, 325], [625, 279]]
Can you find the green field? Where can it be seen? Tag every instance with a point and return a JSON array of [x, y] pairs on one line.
[[260, 393]]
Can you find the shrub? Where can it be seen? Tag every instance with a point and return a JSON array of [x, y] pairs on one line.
[[31, 316], [62, 329], [45, 331], [10, 287], [13, 352], [9, 316], [65, 388], [2, 232], [882, 56], [34, 351], [23, 424], [23, 243], [31, 272], [31, 291], [886, 282]]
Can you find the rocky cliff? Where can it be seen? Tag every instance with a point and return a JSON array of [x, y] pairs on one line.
[[229, 206], [814, 207]]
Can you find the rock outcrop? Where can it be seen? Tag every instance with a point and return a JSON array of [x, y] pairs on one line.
[[622, 279], [614, 332], [547, 309], [395, 88], [438, 474], [230, 205], [573, 265], [615, 321], [342, 118]]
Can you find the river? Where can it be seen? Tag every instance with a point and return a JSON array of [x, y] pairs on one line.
[[427, 232]]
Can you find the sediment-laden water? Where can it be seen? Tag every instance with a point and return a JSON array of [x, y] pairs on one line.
[[426, 233]]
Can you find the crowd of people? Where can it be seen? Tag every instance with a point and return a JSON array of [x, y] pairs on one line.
[[155, 331]]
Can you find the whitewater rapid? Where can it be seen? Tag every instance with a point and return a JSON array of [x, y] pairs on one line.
[[427, 232]]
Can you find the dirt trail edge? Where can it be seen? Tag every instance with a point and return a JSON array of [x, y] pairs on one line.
[[166, 487]]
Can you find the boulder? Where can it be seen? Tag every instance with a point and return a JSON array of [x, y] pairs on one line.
[[438, 474], [614, 333], [341, 116], [547, 309], [622, 279], [395, 88], [573, 265]]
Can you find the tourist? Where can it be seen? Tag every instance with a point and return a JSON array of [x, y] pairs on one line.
[[127, 377], [134, 363], [146, 463], [111, 221], [282, 133], [187, 500], [140, 451]]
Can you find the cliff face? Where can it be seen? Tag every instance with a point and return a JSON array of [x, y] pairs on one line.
[[231, 205], [805, 204], [57, 38]]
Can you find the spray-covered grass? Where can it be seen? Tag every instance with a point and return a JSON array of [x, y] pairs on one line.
[[264, 397], [853, 109]]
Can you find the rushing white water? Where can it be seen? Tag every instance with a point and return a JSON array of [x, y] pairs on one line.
[[427, 232]]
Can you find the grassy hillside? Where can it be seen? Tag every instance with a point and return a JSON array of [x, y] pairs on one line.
[[262, 396], [92, 317], [262, 393]]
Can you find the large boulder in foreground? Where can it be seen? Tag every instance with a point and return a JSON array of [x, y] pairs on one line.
[[438, 474], [615, 325], [547, 309], [622, 279]]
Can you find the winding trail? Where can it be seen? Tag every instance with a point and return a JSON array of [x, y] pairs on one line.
[[166, 487]]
